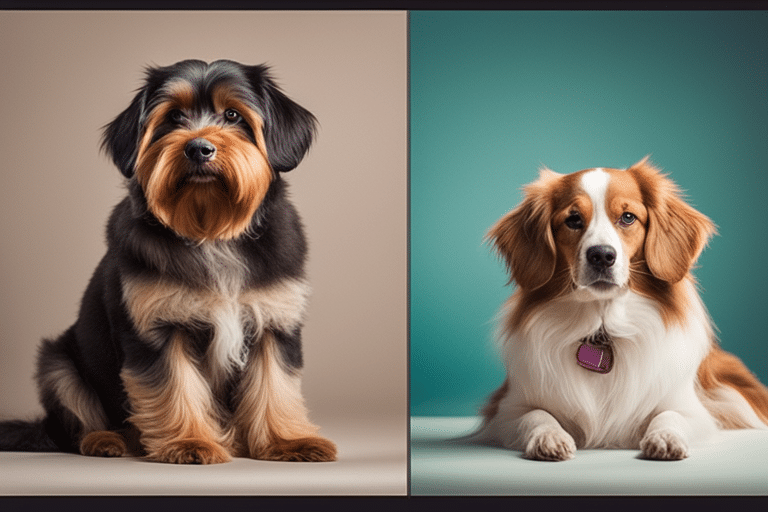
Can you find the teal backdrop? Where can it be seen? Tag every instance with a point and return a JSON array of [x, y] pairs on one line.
[[496, 95]]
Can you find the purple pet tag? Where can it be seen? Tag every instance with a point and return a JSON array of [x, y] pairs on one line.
[[598, 358]]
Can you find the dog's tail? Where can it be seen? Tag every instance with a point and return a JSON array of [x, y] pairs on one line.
[[25, 436], [732, 393]]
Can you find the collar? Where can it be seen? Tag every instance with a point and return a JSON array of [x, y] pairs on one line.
[[595, 352]]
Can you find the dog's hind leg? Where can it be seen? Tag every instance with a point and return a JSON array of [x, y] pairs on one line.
[[74, 413], [731, 392], [271, 417], [104, 443]]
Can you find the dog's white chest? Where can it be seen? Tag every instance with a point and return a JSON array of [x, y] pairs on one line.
[[239, 319]]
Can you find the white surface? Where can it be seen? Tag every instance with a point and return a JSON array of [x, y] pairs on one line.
[[372, 461], [736, 463]]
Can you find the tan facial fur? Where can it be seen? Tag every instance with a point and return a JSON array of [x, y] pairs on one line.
[[214, 210]]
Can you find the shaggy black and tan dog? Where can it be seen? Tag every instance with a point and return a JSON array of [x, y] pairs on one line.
[[187, 347]]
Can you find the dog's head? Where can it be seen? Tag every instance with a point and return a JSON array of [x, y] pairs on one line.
[[599, 231], [205, 141]]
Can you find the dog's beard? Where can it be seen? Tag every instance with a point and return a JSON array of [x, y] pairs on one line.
[[212, 202]]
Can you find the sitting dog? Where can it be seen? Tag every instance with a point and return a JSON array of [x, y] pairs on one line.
[[606, 340], [187, 347]]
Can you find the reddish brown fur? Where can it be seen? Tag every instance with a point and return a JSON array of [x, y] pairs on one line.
[[271, 419], [676, 235], [177, 417], [104, 443], [662, 246], [220, 209], [191, 451], [308, 449], [525, 239], [720, 368]]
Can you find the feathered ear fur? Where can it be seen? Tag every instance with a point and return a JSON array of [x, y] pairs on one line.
[[677, 233], [121, 136], [524, 236], [288, 127]]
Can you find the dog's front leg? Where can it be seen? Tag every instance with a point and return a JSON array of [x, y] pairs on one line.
[[271, 418], [666, 437], [172, 406], [541, 437]]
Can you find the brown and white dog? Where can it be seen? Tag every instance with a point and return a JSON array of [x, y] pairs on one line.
[[606, 341]]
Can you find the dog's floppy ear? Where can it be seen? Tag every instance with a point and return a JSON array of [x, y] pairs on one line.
[[288, 127], [676, 232], [121, 137], [524, 236]]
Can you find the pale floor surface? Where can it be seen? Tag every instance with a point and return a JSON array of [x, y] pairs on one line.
[[372, 461], [736, 463]]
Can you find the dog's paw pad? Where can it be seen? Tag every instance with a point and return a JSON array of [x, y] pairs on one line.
[[103, 443], [191, 451], [307, 449], [663, 445], [551, 444]]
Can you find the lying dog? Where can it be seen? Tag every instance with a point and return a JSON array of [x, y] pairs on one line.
[[606, 340]]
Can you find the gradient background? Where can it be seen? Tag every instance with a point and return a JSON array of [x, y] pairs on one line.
[[66, 74], [496, 95]]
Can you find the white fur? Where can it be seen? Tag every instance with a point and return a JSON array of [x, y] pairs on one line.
[[648, 400], [601, 230], [652, 378]]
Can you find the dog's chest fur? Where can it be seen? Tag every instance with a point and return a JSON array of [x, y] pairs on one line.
[[603, 410], [221, 308]]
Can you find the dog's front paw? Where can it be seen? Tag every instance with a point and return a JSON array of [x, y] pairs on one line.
[[308, 449], [550, 443], [191, 451], [664, 445]]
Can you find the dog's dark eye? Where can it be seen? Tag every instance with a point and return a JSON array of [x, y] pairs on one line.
[[627, 219], [574, 221], [176, 116], [232, 115]]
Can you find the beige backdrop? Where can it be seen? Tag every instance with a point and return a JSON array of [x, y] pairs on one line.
[[65, 74]]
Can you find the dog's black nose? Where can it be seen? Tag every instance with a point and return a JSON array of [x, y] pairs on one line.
[[199, 150], [601, 256]]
